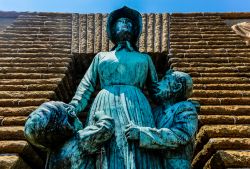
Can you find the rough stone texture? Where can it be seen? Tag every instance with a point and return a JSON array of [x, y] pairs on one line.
[[12, 161], [5, 22], [36, 66], [202, 45], [229, 159], [92, 38], [35, 63]]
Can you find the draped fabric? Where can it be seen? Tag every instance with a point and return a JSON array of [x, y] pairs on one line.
[[122, 76]]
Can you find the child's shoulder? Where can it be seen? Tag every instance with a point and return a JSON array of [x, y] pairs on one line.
[[184, 106]]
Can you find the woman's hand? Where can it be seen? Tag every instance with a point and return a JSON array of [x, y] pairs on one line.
[[132, 132]]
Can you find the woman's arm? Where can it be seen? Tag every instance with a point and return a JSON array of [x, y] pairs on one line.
[[152, 79], [86, 87]]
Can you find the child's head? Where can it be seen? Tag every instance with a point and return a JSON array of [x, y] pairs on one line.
[[175, 85], [50, 125]]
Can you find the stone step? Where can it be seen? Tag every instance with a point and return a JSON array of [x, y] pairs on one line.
[[46, 15], [221, 80], [38, 31], [197, 74], [40, 55], [31, 87], [12, 161], [220, 131], [43, 18], [223, 101], [24, 150], [30, 81], [36, 35], [194, 15], [13, 121], [22, 102], [16, 111], [34, 42], [222, 86], [41, 23], [229, 159], [201, 32], [42, 64], [59, 70], [200, 29], [32, 27], [210, 43], [32, 46], [197, 23], [185, 20], [11, 133], [38, 28], [215, 144], [205, 39], [26, 94], [16, 146], [216, 69], [223, 119], [204, 59], [201, 36], [27, 38], [199, 64], [222, 50], [35, 50], [30, 75], [33, 58], [219, 93], [205, 46], [204, 25], [234, 110]]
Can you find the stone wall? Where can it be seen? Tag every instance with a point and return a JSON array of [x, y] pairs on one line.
[[43, 56]]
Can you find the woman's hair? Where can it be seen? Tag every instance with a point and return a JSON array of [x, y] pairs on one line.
[[48, 126]]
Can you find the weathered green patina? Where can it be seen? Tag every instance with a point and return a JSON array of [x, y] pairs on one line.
[[176, 123], [126, 132]]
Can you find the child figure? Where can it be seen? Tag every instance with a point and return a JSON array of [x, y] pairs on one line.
[[61, 134], [176, 123]]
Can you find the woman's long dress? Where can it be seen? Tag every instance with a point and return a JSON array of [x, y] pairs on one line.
[[122, 77]]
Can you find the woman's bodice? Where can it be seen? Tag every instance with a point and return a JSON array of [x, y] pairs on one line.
[[122, 68], [116, 68]]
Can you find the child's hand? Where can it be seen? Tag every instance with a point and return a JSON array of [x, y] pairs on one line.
[[132, 132], [99, 115]]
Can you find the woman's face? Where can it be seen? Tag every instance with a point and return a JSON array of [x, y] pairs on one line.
[[123, 29]]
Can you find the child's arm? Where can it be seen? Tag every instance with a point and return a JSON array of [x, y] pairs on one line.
[[181, 132], [93, 136]]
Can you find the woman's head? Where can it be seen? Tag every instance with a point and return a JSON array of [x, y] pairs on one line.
[[124, 24], [123, 29]]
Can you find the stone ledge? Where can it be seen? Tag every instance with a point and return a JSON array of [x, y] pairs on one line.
[[12, 161], [227, 15], [215, 144], [229, 159]]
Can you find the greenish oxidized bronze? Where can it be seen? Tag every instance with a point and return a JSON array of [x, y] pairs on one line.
[[122, 131]]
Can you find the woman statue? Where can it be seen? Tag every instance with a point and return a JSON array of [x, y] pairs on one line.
[[122, 74]]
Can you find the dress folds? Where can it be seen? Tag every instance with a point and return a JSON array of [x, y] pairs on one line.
[[122, 76]]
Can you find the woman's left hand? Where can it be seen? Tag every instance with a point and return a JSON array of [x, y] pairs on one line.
[[132, 132]]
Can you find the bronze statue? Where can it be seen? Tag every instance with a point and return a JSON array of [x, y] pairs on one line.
[[122, 72]]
